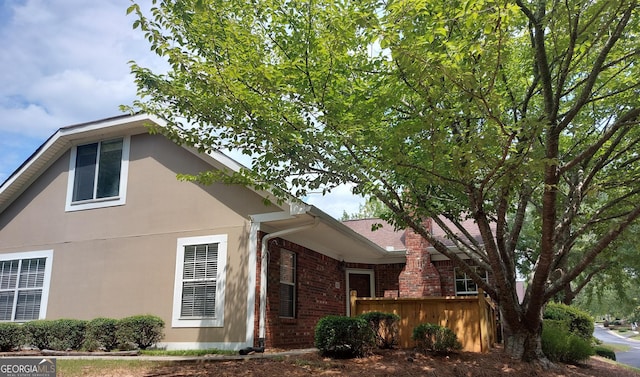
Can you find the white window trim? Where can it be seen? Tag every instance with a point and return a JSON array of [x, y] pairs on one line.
[[48, 254], [103, 202], [218, 320]]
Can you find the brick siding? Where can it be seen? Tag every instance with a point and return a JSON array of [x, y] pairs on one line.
[[320, 291], [420, 276]]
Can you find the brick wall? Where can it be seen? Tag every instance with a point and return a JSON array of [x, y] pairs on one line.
[[447, 277], [420, 277], [320, 291]]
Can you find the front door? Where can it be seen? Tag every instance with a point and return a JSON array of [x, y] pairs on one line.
[[361, 281]]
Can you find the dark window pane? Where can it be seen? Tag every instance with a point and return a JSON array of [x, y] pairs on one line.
[[109, 169], [286, 300], [85, 172]]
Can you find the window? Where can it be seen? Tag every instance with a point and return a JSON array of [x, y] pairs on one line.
[[24, 285], [98, 174], [287, 284], [199, 284], [464, 284]]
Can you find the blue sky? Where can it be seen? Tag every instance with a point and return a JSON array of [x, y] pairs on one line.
[[64, 62]]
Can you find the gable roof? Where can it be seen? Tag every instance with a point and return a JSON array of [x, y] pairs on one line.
[[344, 244]]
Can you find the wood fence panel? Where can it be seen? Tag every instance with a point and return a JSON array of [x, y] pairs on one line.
[[471, 318]]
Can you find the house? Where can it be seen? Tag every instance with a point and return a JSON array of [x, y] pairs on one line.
[[95, 224]]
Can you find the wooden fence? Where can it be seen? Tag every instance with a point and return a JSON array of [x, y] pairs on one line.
[[472, 318]]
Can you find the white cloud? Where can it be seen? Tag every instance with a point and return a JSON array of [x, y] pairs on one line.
[[65, 62]]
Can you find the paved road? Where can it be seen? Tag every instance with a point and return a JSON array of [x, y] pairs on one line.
[[631, 357]]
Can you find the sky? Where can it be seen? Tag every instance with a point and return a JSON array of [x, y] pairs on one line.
[[64, 62]]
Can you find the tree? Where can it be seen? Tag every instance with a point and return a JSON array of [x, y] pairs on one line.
[[500, 111], [372, 208]]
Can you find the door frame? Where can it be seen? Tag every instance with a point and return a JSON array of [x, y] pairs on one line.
[[360, 271]]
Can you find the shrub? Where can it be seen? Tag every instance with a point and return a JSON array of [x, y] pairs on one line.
[[101, 334], [384, 326], [67, 334], [605, 352], [141, 330], [339, 336], [435, 338], [560, 344], [11, 336], [38, 333], [579, 322]]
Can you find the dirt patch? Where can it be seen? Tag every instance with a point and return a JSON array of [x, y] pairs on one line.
[[389, 363]]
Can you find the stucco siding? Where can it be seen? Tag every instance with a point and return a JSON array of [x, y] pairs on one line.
[[119, 261]]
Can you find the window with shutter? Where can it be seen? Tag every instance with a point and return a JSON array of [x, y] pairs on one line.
[[24, 285], [199, 288]]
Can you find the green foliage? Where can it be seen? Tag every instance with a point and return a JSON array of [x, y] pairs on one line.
[[67, 334], [502, 113], [373, 208], [560, 344], [578, 321], [38, 333], [101, 334], [605, 351], [59, 334], [141, 330], [384, 326], [343, 337], [11, 336], [435, 338]]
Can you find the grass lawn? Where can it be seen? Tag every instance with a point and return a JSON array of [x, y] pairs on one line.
[[617, 347], [101, 367]]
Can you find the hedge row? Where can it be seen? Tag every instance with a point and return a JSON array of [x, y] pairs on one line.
[[107, 334]]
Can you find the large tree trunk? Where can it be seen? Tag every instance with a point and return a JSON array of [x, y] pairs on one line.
[[523, 339]]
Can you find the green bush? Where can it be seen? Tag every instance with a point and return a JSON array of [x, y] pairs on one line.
[[579, 322], [38, 333], [560, 344], [101, 334], [67, 334], [11, 336], [141, 330], [605, 352], [435, 338], [338, 336], [384, 326]]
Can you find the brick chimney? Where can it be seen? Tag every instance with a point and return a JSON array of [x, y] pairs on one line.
[[419, 278]]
